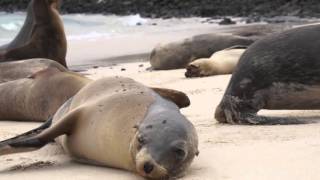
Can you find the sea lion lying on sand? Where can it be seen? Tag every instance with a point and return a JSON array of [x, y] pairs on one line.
[[38, 97], [179, 54], [42, 35], [21, 69], [280, 71], [120, 123], [221, 62]]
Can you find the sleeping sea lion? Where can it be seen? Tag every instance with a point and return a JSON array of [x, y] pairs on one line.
[[120, 123], [278, 72], [38, 97], [221, 62], [21, 69], [42, 35], [179, 54]]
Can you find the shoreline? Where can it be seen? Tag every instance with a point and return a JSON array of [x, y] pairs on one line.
[[167, 9]]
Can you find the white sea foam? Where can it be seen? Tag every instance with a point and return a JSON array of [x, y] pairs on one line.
[[91, 27]]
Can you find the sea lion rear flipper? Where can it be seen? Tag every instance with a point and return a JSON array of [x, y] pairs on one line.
[[178, 97], [24, 142], [37, 138]]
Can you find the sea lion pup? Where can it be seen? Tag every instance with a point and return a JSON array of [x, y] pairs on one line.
[[221, 62], [21, 69], [120, 123], [279, 72], [179, 54], [39, 96], [42, 35]]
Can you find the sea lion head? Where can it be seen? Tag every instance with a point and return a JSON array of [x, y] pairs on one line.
[[171, 56], [166, 144], [200, 68]]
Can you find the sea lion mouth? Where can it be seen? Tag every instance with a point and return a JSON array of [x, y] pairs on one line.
[[192, 71], [148, 168]]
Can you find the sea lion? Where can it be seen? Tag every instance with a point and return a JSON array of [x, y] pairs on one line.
[[278, 72], [179, 54], [221, 62], [120, 123], [21, 69], [38, 97], [42, 35]]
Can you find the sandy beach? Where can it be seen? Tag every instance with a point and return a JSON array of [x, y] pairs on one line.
[[227, 152]]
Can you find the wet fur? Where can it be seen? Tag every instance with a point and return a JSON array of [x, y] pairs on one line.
[[280, 71]]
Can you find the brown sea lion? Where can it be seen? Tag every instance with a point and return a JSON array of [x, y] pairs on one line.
[[279, 72], [221, 62], [21, 69], [179, 54], [120, 123], [42, 35], [37, 97]]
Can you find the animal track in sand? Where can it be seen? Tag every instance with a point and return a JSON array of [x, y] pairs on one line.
[[31, 166]]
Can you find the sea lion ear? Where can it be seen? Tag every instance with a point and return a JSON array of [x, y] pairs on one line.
[[178, 97]]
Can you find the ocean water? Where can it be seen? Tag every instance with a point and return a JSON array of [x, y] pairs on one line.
[[81, 26]]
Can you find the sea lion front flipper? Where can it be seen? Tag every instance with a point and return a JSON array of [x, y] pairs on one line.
[[178, 97]]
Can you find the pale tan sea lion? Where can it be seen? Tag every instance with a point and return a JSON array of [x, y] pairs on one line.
[[221, 62], [179, 54], [42, 35], [38, 97], [21, 69], [120, 123]]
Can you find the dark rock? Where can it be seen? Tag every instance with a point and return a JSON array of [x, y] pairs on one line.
[[226, 21], [183, 8]]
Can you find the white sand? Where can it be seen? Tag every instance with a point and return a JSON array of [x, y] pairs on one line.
[[226, 151]]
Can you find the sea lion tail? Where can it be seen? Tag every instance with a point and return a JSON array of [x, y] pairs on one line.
[[25, 142]]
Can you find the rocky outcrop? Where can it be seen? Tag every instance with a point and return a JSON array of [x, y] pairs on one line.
[[183, 8]]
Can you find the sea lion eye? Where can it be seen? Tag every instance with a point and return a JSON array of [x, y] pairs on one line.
[[141, 140], [180, 153]]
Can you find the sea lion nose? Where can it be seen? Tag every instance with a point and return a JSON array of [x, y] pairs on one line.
[[148, 167]]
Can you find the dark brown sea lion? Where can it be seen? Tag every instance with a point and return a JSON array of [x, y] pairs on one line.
[[278, 72], [42, 35]]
